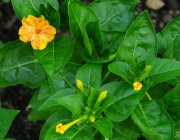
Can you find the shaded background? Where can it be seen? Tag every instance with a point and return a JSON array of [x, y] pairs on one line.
[[18, 97]]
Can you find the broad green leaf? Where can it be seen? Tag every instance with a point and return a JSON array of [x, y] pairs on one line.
[[73, 133], [81, 17], [171, 103], [35, 115], [18, 65], [127, 128], [104, 125], [65, 79], [7, 117], [41, 95], [51, 15], [59, 115], [115, 18], [158, 91], [111, 87], [121, 69], [75, 103], [140, 41], [163, 69], [57, 53], [51, 104], [126, 99], [31, 7], [153, 121], [90, 75], [168, 39], [115, 15]]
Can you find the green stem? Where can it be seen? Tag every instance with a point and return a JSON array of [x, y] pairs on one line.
[[149, 97], [94, 133], [107, 74]]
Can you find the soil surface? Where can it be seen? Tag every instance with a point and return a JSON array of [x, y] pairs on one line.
[[18, 97]]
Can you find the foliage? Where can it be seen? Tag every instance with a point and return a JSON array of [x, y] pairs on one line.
[[86, 77]]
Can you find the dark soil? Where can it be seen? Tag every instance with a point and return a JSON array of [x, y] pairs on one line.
[[18, 97]]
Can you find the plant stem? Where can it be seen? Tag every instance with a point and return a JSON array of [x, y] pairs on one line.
[[149, 97], [94, 133], [107, 74]]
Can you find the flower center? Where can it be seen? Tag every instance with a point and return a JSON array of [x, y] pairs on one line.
[[38, 31]]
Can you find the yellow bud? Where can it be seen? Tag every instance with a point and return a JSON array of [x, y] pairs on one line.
[[137, 85], [92, 118], [79, 84], [102, 96], [147, 68]]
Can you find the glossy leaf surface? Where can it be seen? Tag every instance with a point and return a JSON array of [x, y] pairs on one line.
[[140, 41], [57, 53], [7, 117], [125, 102], [18, 65], [153, 121], [31, 7]]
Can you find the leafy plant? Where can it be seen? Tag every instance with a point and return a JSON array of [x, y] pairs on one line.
[[109, 77]]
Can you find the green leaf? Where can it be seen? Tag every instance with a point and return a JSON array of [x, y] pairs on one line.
[[59, 115], [127, 128], [51, 15], [140, 41], [90, 75], [41, 95], [75, 103], [163, 69], [81, 17], [7, 117], [18, 65], [57, 53], [153, 121], [114, 15], [73, 133], [171, 103], [51, 104], [104, 125], [121, 69], [31, 7], [125, 101], [168, 39], [39, 115]]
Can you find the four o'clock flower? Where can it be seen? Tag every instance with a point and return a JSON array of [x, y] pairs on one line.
[[37, 31]]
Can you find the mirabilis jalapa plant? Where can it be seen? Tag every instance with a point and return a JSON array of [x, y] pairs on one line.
[[109, 77]]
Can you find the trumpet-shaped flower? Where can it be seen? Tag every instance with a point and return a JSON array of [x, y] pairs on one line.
[[37, 31], [62, 128], [137, 85]]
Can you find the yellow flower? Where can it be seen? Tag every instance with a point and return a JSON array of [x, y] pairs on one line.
[[37, 31], [137, 85], [102, 96], [79, 84], [62, 128]]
